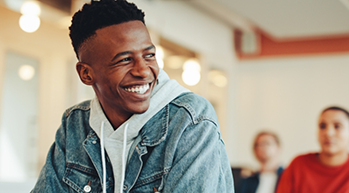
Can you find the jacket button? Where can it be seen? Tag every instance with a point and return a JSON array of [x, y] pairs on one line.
[[94, 142], [87, 188], [125, 187]]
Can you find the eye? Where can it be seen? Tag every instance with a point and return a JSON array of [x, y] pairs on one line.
[[337, 126], [151, 55], [124, 60], [322, 126]]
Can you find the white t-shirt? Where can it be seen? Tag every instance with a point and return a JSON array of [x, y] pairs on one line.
[[267, 182]]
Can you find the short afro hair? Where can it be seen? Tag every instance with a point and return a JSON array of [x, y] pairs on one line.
[[100, 14]]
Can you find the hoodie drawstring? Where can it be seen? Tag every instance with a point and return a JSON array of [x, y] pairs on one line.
[[123, 159], [103, 160]]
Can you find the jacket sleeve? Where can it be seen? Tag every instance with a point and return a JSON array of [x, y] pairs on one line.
[[51, 175], [201, 163]]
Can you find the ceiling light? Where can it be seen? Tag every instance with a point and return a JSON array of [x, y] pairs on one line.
[[191, 74], [191, 78], [29, 23], [191, 65], [30, 8], [26, 72]]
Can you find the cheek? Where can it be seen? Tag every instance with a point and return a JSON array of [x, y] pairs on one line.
[[109, 86], [263, 151], [321, 134], [344, 135], [274, 150], [155, 68]]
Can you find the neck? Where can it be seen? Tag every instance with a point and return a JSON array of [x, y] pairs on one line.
[[333, 159], [270, 165], [116, 118]]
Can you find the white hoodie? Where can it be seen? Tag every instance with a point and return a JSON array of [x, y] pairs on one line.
[[118, 142]]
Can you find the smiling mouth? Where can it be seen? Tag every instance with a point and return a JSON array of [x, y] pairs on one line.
[[140, 89]]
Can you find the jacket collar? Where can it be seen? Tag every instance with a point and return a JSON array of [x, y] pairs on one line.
[[151, 135], [155, 130]]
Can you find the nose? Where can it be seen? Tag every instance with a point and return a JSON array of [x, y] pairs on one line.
[[329, 131], [140, 68]]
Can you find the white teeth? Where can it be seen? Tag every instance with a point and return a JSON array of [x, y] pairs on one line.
[[139, 89]]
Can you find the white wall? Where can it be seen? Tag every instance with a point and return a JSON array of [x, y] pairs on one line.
[[51, 47], [286, 95], [18, 125]]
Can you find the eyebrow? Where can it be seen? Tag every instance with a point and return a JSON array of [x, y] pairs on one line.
[[121, 54], [129, 52], [150, 47]]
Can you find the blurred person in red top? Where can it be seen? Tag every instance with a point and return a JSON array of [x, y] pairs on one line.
[[328, 170]]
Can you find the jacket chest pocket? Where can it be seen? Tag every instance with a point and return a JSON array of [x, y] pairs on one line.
[[151, 183], [82, 180], [147, 187]]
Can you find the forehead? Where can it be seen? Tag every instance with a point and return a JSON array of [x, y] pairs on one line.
[[265, 137], [333, 115], [123, 31], [127, 36]]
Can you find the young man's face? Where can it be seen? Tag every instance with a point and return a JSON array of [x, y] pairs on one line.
[[123, 68], [333, 133]]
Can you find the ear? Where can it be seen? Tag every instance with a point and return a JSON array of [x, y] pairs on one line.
[[85, 73]]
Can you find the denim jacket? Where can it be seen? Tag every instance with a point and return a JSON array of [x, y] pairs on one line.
[[180, 149]]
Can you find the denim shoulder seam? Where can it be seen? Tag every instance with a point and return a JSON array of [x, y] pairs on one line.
[[196, 119], [84, 106], [202, 118], [213, 122]]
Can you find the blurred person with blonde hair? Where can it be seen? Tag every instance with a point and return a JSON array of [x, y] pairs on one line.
[[266, 148], [328, 170]]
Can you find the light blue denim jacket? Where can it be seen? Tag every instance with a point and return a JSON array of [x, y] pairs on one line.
[[180, 149]]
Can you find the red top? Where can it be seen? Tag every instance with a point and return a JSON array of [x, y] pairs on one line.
[[306, 174]]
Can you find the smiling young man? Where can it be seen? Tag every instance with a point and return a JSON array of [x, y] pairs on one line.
[[142, 132]]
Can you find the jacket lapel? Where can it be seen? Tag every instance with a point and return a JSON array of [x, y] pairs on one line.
[[150, 137], [93, 149]]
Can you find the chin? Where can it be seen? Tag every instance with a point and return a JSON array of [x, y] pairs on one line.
[[140, 109], [329, 152]]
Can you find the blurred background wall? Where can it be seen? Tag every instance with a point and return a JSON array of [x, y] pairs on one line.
[[264, 65]]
